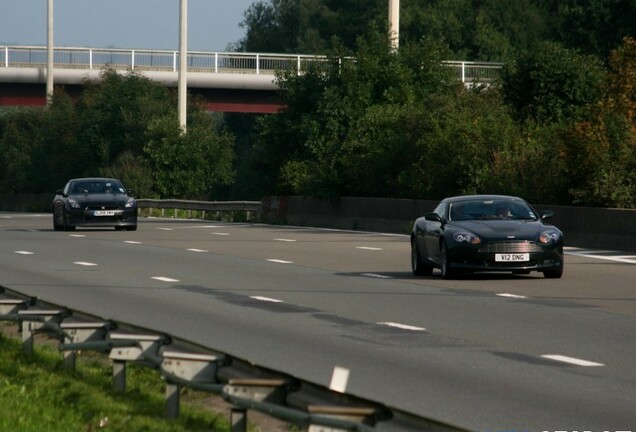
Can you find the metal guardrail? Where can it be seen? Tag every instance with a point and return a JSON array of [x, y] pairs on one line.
[[250, 208], [183, 364], [199, 61]]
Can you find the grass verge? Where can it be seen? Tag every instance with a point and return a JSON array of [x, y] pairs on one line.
[[38, 394]]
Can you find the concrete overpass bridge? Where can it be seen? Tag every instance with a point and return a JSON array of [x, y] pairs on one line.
[[227, 81]]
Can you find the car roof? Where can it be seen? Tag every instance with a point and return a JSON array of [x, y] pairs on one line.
[[94, 179], [480, 197]]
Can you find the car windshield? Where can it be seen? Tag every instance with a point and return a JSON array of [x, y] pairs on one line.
[[97, 187], [491, 209]]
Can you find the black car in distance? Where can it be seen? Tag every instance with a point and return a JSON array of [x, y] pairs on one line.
[[478, 233], [94, 202]]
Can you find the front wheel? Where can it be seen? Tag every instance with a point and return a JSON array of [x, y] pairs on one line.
[[56, 226], [553, 274], [66, 226], [419, 267]]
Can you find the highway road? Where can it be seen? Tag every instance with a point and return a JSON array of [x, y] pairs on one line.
[[487, 353]]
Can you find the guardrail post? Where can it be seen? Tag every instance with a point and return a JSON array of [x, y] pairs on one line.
[[27, 337], [192, 368], [238, 420], [140, 346], [172, 400], [33, 321], [119, 376], [80, 332]]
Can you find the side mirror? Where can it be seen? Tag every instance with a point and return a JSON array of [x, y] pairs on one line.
[[434, 217], [547, 215]]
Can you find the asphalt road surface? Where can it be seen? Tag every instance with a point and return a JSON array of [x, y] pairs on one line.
[[490, 352]]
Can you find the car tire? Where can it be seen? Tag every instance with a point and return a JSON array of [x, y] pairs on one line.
[[419, 267], [56, 226], [553, 274], [65, 225], [447, 273]]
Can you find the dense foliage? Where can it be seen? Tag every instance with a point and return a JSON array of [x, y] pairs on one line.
[[125, 126], [557, 127]]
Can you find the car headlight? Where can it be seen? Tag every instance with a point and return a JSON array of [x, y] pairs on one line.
[[466, 237], [549, 237], [73, 203], [130, 203]]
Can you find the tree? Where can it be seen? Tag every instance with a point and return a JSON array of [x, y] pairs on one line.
[[596, 27], [318, 145], [188, 165], [601, 149], [551, 83]]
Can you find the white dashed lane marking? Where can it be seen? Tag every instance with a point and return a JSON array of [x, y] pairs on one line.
[[197, 250], [133, 242], [402, 326], [77, 235], [24, 253], [571, 360], [369, 248], [266, 299], [164, 279], [284, 240], [84, 263], [516, 296], [220, 233], [278, 261]]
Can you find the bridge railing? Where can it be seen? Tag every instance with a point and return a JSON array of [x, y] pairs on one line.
[[198, 61]]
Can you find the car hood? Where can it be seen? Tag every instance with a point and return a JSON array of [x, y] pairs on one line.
[[100, 199], [503, 229]]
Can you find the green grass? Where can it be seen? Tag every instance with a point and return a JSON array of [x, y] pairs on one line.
[[38, 394]]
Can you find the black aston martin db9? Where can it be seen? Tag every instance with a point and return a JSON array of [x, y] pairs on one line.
[[486, 233], [94, 202]]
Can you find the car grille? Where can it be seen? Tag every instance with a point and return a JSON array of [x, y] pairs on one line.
[[511, 247], [100, 207]]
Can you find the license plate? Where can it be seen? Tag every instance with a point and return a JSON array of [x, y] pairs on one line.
[[104, 213], [512, 257]]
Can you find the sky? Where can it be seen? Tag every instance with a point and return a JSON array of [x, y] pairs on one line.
[[132, 24]]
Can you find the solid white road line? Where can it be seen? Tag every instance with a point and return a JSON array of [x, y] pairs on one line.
[[628, 259], [164, 279], [266, 299], [24, 253], [571, 360], [280, 261], [402, 326], [84, 263]]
